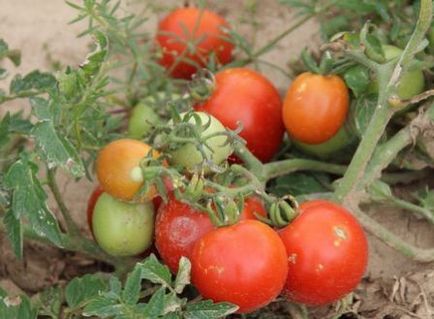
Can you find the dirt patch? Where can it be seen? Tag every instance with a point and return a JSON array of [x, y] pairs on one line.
[[394, 286]]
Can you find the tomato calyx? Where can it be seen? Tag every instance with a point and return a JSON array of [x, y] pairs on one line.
[[202, 85], [324, 66]]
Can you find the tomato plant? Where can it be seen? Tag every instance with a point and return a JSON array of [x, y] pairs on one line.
[[118, 168], [243, 96], [122, 229], [223, 270], [189, 38], [217, 149], [315, 107], [327, 253]]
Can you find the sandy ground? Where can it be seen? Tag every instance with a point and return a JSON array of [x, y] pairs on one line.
[[40, 29]]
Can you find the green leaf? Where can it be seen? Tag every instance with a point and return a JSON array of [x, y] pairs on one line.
[[183, 277], [18, 307], [362, 110], [40, 108], [156, 272], [57, 150], [49, 302], [36, 81], [4, 130], [102, 307], [29, 200], [14, 232], [173, 303], [301, 183], [154, 308], [357, 79], [95, 59], [131, 292], [209, 310], [82, 289]]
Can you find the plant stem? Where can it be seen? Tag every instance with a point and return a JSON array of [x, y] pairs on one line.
[[387, 152], [71, 226], [416, 253], [275, 169], [426, 213]]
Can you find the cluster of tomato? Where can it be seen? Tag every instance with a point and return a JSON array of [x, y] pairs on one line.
[[316, 259]]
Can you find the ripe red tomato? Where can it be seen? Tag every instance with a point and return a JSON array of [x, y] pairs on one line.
[[117, 168], [185, 26], [247, 97], [327, 253], [245, 264], [315, 107], [178, 226], [91, 205]]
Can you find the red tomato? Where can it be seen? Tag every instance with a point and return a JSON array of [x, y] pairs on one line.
[[178, 226], [252, 205], [185, 26], [327, 253], [315, 107], [245, 264], [247, 97], [91, 205]]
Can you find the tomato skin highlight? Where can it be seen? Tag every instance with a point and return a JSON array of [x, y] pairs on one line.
[[190, 25], [245, 96], [122, 229], [96, 193], [315, 107], [245, 264], [115, 164], [327, 253]]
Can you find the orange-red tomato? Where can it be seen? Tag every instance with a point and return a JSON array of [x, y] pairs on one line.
[[243, 96], [186, 26], [245, 264], [327, 253], [315, 107], [117, 168]]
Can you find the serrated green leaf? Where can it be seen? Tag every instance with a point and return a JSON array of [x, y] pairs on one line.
[[300, 183], [14, 232], [16, 307], [154, 308], [82, 289], [131, 292], [40, 108], [29, 200], [362, 110], [183, 277], [156, 272], [34, 81], [102, 307], [115, 287], [57, 150], [209, 310], [95, 59], [4, 130], [49, 302], [357, 79], [172, 303]]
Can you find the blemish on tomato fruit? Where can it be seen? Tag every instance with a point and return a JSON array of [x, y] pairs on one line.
[[319, 267], [341, 235], [292, 258]]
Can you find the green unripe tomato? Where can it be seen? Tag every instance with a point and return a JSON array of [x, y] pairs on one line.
[[122, 229], [189, 156], [142, 119], [324, 150], [412, 82]]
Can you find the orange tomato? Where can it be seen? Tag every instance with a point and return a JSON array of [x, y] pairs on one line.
[[117, 168], [315, 107]]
